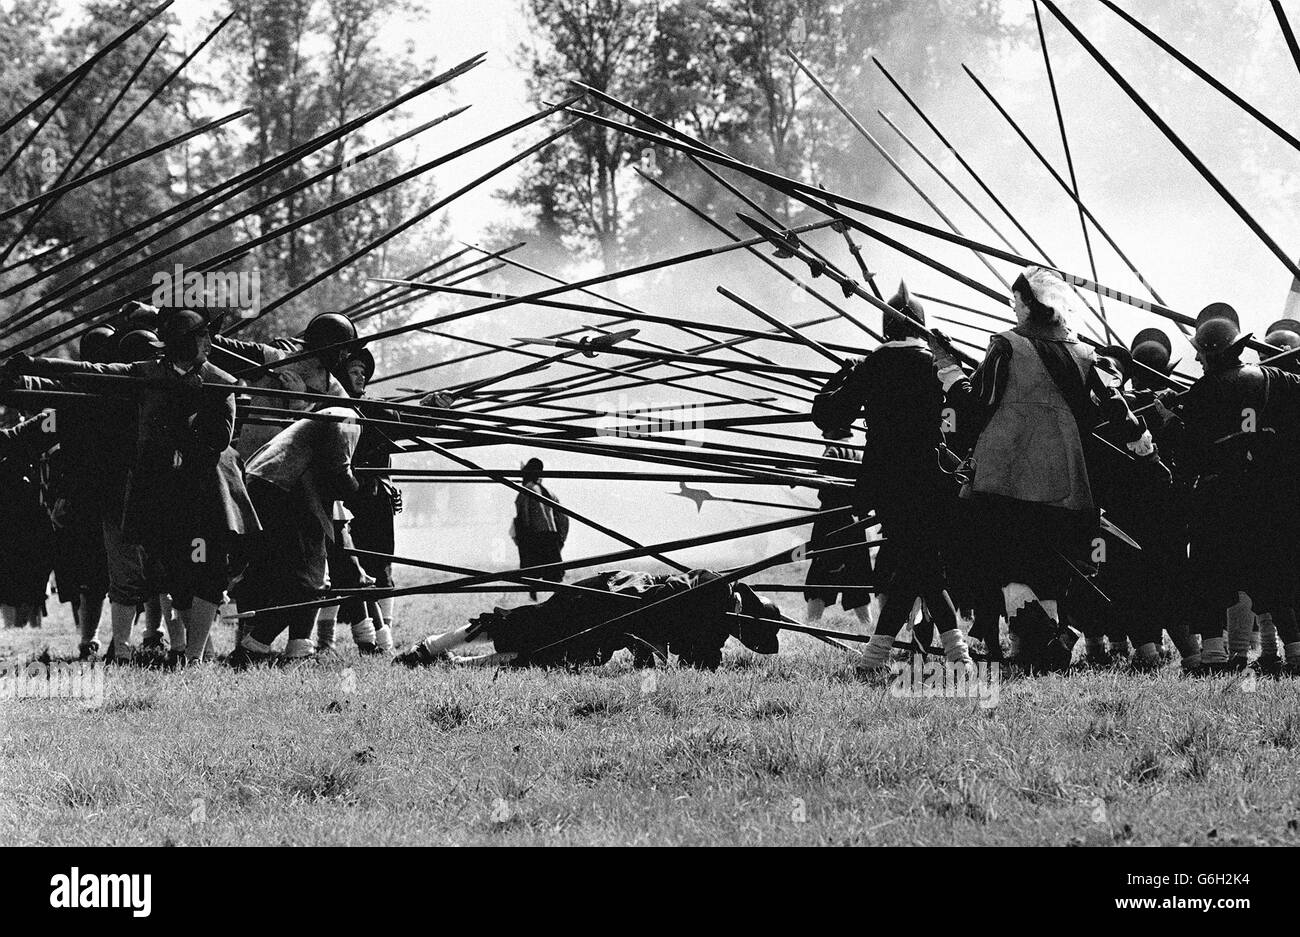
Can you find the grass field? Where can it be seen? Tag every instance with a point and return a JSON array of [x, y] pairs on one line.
[[792, 749]]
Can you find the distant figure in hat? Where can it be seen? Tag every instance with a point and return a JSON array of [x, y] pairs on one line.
[[1236, 430], [898, 396], [695, 630], [538, 529], [1032, 402]]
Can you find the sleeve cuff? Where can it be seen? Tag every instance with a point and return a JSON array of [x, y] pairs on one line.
[[950, 375]]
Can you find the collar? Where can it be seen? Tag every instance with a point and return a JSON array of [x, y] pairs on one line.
[[1057, 332]]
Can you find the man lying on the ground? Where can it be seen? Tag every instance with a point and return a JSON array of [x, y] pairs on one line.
[[693, 625]]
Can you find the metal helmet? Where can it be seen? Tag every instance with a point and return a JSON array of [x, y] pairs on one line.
[[96, 345], [139, 345], [328, 328], [1153, 348], [1284, 333], [1218, 330]]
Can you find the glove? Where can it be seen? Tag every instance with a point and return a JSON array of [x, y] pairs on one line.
[[941, 348], [395, 499], [438, 399], [1142, 446]]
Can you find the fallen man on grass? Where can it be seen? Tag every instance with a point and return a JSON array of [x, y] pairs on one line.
[[589, 621]]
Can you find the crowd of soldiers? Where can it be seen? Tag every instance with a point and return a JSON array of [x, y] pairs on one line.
[[1073, 489], [155, 500], [1061, 487]]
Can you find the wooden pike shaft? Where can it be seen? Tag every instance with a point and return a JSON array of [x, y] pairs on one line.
[[1169, 134]]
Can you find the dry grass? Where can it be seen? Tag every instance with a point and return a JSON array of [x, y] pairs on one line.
[[783, 750]]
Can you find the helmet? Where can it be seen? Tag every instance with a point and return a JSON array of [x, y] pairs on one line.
[[97, 344], [895, 328], [180, 330], [1218, 330], [328, 328], [365, 357], [138, 315], [1284, 333], [1153, 348], [139, 345]]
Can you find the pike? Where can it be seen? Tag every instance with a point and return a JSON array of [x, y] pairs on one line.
[[156, 92], [894, 164], [134, 158], [517, 300], [800, 190], [1206, 77], [212, 227], [761, 256], [34, 218], [780, 240], [81, 70], [947, 180], [478, 435], [32, 258], [406, 297], [699, 495], [625, 306], [1287, 34], [649, 317], [565, 565], [331, 209], [441, 476], [1073, 188], [757, 367], [40, 124], [1169, 133], [437, 206], [250, 177], [787, 329], [130, 119], [588, 347], [724, 399], [771, 219], [360, 305], [209, 229]]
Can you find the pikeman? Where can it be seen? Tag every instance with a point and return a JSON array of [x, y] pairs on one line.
[[26, 538], [1234, 429], [314, 374], [695, 631], [80, 561], [295, 480], [369, 528], [1147, 583], [185, 502], [839, 576], [901, 401], [1032, 398]]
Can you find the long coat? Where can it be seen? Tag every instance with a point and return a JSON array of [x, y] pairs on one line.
[[185, 478]]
